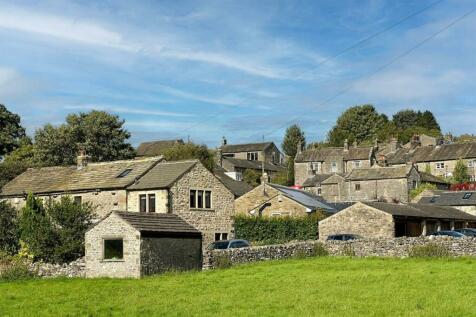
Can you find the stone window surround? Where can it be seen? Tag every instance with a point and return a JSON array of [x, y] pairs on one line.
[[252, 156], [196, 197], [440, 165], [104, 238], [147, 202]]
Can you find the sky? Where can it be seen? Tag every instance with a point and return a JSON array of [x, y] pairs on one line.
[[239, 69]]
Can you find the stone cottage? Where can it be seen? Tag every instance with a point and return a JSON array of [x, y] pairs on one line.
[[126, 244], [272, 200], [387, 220]]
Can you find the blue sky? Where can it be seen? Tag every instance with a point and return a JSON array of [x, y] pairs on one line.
[[241, 69]]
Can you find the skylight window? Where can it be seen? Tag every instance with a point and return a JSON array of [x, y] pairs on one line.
[[467, 195], [124, 173]]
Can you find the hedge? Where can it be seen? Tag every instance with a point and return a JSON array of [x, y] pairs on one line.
[[264, 230]]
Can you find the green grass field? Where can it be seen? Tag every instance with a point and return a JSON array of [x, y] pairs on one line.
[[309, 287]]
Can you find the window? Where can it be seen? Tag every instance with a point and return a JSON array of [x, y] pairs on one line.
[[200, 199], [334, 166], [415, 185], [142, 203], [357, 164], [357, 187], [315, 166], [78, 200], [470, 163], [467, 196], [440, 165], [151, 202], [252, 156], [221, 236], [124, 173], [113, 249], [319, 191]]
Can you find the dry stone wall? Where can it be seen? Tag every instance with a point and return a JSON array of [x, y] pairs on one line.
[[48, 270]]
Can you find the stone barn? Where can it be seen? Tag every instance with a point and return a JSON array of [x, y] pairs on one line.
[[388, 220], [128, 244]]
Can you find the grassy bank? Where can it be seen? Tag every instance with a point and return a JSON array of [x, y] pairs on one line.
[[319, 286]]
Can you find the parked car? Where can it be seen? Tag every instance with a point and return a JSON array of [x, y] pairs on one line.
[[343, 237], [448, 233], [469, 232], [228, 244]]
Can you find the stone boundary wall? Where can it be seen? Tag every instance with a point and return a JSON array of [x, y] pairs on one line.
[[47, 270], [397, 247]]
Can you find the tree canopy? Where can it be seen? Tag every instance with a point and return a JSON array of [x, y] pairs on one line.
[[11, 131], [292, 137], [191, 151], [460, 174]]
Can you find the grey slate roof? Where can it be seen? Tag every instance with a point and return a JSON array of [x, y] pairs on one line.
[[248, 147], [163, 175], [429, 178], [306, 199], [421, 211], [375, 173], [69, 178], [322, 154], [155, 148], [156, 222], [442, 152], [316, 179], [236, 187], [246, 164], [451, 199]]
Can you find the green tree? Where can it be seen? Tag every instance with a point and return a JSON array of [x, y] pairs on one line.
[[428, 121], [9, 229], [252, 177], [465, 138], [460, 174], [358, 123], [410, 122], [191, 151], [17, 162], [405, 119], [281, 178], [292, 138], [101, 134], [11, 131]]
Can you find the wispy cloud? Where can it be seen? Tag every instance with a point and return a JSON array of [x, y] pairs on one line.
[[226, 100], [129, 110]]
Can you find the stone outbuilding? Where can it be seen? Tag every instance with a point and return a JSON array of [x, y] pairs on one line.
[[127, 244], [387, 220]]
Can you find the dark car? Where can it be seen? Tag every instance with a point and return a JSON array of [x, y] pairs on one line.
[[343, 237], [469, 232], [448, 233], [228, 244]]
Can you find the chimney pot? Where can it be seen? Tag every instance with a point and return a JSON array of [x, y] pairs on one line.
[[346, 145], [82, 159]]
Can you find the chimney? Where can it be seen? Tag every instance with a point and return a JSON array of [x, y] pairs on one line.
[[346, 145], [415, 140], [82, 159], [264, 178], [393, 145], [219, 157], [223, 141], [299, 147]]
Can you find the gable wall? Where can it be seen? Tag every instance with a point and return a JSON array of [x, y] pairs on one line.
[[253, 198]]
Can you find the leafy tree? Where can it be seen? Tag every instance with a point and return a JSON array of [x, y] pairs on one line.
[[405, 119], [460, 174], [101, 134], [17, 162], [293, 136], [9, 229], [358, 123], [252, 177], [428, 121], [11, 131], [281, 178], [410, 122], [191, 151]]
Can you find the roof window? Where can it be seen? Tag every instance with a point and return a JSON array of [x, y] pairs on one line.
[[124, 173], [467, 195]]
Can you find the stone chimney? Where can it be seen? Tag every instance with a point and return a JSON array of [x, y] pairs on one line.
[[264, 178], [415, 141], [219, 157], [393, 145], [346, 145], [299, 147], [82, 159]]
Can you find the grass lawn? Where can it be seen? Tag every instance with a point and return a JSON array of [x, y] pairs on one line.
[[309, 287]]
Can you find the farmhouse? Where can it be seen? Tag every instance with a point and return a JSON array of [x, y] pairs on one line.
[[126, 244], [387, 220]]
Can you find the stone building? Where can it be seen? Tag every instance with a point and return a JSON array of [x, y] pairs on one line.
[[126, 244], [149, 185], [236, 158], [272, 200], [331, 160], [387, 220], [462, 200]]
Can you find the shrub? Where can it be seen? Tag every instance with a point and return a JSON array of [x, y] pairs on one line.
[[417, 191], [222, 261], [14, 268], [9, 229], [319, 250], [429, 250], [277, 230]]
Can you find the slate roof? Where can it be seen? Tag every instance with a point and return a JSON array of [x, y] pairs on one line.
[[322, 154], [342, 205], [451, 199], [157, 222], [375, 173], [155, 148], [248, 147], [429, 178], [66, 179], [163, 175], [253, 164], [444, 152], [421, 211], [316, 179], [236, 187], [306, 199]]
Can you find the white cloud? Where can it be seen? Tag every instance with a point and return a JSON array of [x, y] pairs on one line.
[[131, 110], [226, 100]]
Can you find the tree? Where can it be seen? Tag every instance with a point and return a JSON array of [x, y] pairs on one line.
[[17, 162], [405, 119], [460, 174], [9, 229], [191, 151], [358, 123], [410, 122], [252, 177], [101, 134], [428, 121], [465, 138], [292, 138], [281, 178], [11, 131]]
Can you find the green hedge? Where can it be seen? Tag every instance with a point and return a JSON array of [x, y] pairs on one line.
[[265, 230]]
